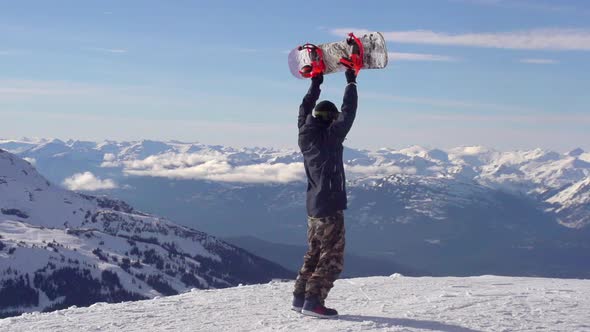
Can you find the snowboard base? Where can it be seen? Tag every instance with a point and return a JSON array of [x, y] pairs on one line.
[[374, 57]]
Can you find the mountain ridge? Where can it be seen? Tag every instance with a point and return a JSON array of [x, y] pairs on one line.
[[460, 211]]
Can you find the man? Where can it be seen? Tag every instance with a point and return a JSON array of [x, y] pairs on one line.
[[320, 139]]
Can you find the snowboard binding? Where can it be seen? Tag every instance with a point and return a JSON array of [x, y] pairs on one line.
[[317, 66], [355, 61]]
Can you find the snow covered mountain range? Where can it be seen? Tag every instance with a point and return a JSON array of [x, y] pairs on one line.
[[560, 181], [60, 248], [461, 211]]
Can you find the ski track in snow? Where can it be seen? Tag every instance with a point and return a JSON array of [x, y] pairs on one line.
[[396, 303]]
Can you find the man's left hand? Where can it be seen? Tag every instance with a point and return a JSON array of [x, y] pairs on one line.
[[318, 79]]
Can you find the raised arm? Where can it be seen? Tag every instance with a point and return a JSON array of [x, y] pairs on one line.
[[308, 103], [342, 125]]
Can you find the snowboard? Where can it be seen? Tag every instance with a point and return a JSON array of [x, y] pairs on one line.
[[327, 57]]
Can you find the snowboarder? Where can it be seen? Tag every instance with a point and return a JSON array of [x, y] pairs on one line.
[[321, 135]]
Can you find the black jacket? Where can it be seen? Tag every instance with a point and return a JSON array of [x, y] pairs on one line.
[[321, 145]]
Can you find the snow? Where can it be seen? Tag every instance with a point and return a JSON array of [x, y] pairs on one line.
[[585, 157], [396, 303], [577, 193]]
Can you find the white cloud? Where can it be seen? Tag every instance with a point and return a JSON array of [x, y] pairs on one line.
[[108, 50], [539, 61], [398, 56], [220, 168], [529, 5], [481, 2], [109, 160], [87, 95], [109, 157], [11, 52], [172, 160], [10, 89], [88, 182], [247, 50], [216, 170], [530, 119], [536, 39], [110, 164], [448, 103], [212, 166]]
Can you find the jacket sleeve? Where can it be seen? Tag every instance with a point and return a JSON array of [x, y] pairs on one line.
[[342, 125], [308, 103]]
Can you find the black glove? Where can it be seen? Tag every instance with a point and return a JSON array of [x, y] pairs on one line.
[[318, 79], [350, 76]]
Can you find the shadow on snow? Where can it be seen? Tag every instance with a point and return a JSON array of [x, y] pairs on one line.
[[410, 323]]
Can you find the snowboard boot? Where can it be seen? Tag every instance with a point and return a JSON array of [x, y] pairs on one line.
[[313, 307], [298, 301]]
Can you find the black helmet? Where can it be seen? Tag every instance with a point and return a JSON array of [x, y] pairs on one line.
[[326, 110]]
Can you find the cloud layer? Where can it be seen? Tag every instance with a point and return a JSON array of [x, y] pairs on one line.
[[539, 61], [536, 39], [217, 167], [108, 50], [88, 182], [398, 56], [213, 167]]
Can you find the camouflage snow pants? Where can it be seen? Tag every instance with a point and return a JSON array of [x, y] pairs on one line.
[[324, 259]]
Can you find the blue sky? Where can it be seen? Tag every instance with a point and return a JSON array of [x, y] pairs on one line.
[[505, 74]]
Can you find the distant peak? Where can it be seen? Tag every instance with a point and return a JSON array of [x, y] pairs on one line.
[[438, 155], [414, 150], [54, 141], [475, 149], [35, 140], [576, 152]]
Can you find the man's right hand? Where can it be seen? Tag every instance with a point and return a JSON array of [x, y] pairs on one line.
[[318, 79], [350, 76]]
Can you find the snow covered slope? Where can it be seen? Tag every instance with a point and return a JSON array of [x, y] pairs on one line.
[[59, 248], [395, 303], [572, 204]]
